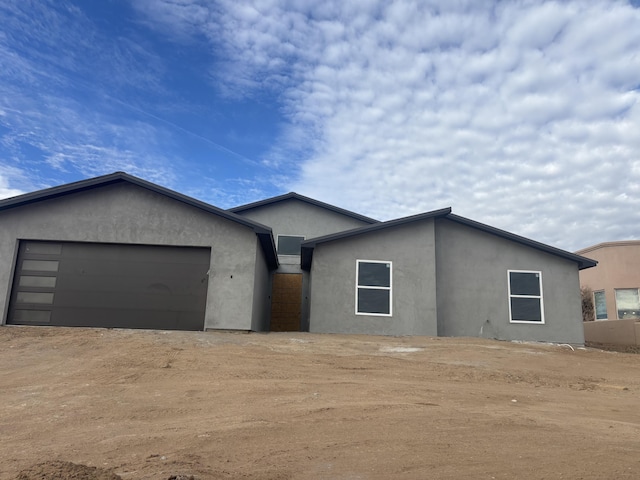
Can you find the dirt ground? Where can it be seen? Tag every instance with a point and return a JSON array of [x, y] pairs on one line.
[[159, 405]]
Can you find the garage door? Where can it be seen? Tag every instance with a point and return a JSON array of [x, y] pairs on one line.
[[110, 285]]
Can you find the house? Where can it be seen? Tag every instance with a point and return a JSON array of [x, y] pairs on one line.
[[118, 251], [615, 281]]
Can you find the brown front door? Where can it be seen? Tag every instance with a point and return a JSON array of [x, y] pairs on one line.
[[286, 302]]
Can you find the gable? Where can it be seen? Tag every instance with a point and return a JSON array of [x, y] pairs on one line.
[[148, 197], [293, 216]]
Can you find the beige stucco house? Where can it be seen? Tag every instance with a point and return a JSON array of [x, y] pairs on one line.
[[615, 281]]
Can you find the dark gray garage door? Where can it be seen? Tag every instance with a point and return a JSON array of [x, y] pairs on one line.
[[110, 285]]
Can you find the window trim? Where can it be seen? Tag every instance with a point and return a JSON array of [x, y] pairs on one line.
[[287, 235], [539, 297], [389, 288]]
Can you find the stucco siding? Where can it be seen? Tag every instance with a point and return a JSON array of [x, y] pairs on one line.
[[125, 213], [618, 267], [295, 217], [261, 297], [472, 286], [410, 248]]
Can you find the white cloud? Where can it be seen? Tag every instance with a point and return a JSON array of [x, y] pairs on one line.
[[7, 173], [519, 114]]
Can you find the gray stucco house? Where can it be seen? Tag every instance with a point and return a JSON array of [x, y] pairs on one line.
[[118, 251]]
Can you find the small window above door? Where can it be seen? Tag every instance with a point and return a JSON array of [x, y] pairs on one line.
[[289, 244]]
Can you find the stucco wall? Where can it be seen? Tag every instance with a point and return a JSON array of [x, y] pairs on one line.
[[472, 287], [618, 267], [295, 217], [614, 332], [333, 284], [261, 293], [125, 213]]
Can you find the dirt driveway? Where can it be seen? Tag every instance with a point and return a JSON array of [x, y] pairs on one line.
[[152, 405]]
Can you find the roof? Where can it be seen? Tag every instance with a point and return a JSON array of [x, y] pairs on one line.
[[621, 243], [302, 198], [309, 245], [263, 232]]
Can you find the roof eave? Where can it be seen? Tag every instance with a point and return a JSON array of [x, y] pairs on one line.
[[262, 231]]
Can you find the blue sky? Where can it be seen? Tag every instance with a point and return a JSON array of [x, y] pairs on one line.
[[521, 114]]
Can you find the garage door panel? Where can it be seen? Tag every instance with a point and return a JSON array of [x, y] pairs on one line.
[[138, 301], [126, 318], [135, 253], [154, 282], [114, 267], [108, 285]]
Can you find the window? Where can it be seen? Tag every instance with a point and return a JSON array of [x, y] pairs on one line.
[[373, 288], [600, 303], [627, 303], [289, 244], [525, 297]]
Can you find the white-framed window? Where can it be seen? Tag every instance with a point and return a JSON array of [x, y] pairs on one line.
[[627, 303], [600, 305], [525, 296], [373, 287], [289, 244]]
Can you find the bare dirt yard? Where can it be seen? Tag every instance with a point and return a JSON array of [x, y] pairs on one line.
[[125, 404]]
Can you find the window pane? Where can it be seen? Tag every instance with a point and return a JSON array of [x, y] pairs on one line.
[[289, 245], [525, 283], [34, 297], [628, 303], [31, 281], [40, 265], [373, 301], [44, 248], [374, 274], [601, 305], [37, 316], [526, 309]]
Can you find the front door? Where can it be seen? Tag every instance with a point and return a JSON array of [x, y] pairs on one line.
[[286, 302]]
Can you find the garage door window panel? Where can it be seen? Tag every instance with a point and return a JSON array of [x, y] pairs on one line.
[[37, 281]]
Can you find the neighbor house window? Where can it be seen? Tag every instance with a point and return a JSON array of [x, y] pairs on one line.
[[289, 244], [373, 287], [525, 297], [600, 303], [627, 303]]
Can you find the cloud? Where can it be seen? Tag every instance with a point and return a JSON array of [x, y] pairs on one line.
[[5, 190], [519, 114]]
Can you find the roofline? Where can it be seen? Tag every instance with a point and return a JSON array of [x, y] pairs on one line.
[[302, 198], [117, 177], [308, 246], [620, 243], [583, 262]]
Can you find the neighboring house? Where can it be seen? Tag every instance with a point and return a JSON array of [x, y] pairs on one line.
[[117, 251], [615, 282]]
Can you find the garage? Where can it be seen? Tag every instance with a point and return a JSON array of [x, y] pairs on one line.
[[109, 285]]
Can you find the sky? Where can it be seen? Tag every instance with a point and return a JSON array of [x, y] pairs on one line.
[[524, 115]]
